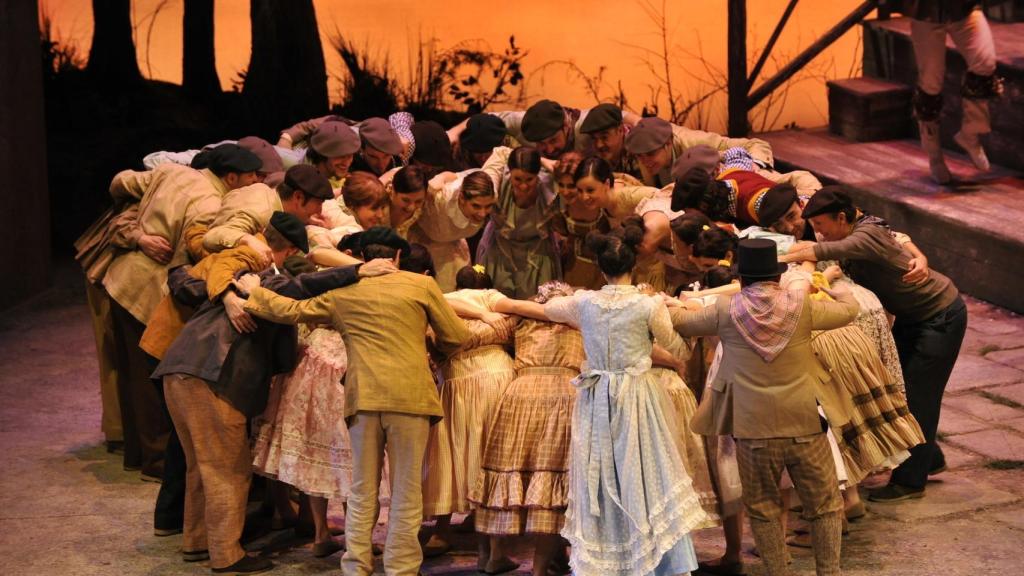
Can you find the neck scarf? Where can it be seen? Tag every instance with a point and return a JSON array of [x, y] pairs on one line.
[[766, 316]]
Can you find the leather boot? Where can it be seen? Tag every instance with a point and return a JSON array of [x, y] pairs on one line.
[[975, 122], [933, 147]]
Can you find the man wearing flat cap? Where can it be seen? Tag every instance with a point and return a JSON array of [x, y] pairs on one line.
[[606, 130], [388, 405], [172, 199], [766, 395], [484, 133], [267, 153], [331, 150], [657, 144], [216, 375], [380, 145]]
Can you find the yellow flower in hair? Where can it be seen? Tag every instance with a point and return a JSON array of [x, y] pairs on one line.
[[725, 263], [706, 227], [479, 269]]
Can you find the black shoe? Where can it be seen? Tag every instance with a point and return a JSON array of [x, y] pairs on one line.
[[195, 555], [247, 565], [895, 493], [164, 532], [937, 467]]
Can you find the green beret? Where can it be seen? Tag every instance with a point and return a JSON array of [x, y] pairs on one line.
[[543, 120], [309, 181], [265, 152], [289, 226], [333, 139], [231, 158], [648, 135], [384, 236], [378, 134], [601, 117]]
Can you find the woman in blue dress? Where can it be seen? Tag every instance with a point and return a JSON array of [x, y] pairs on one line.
[[631, 503]]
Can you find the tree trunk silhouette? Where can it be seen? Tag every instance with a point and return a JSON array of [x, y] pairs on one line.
[[112, 61], [287, 79], [199, 69]]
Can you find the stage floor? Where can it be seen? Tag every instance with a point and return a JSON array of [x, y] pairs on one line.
[[67, 507]]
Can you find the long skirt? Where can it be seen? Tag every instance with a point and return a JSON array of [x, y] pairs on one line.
[[473, 382], [523, 487]]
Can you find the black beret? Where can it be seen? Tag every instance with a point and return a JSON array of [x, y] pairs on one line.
[[828, 200], [308, 180], [543, 120], [383, 236], [648, 135], [776, 201], [265, 152], [378, 134], [432, 145], [601, 117], [291, 228], [483, 133], [350, 243], [333, 139], [699, 156], [231, 158]]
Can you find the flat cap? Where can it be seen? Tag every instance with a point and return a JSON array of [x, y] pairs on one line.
[[333, 139], [383, 236], [828, 200], [699, 156], [432, 145], [648, 135], [776, 201], [291, 228], [378, 133], [265, 152], [350, 243], [483, 133], [601, 117], [229, 158], [543, 120], [309, 181]]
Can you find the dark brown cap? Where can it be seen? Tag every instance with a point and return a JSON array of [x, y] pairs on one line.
[[700, 156], [383, 236], [601, 117], [291, 228], [483, 133], [776, 201], [333, 139], [231, 158], [828, 200], [543, 120], [432, 145], [648, 135], [308, 180], [377, 133], [265, 151]]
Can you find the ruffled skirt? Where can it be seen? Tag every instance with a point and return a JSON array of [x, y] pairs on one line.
[[523, 485], [472, 383]]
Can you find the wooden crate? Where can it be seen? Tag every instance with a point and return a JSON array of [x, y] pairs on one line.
[[869, 109]]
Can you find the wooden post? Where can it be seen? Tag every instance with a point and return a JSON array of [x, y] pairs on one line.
[[771, 44], [738, 125]]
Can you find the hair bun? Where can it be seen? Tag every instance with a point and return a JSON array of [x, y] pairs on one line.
[[597, 242]]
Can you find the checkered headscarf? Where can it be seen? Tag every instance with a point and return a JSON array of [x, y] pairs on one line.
[[766, 316]]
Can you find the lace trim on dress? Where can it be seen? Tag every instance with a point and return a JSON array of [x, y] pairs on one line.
[[616, 297]]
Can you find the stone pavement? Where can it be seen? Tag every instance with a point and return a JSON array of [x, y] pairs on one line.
[[67, 507]]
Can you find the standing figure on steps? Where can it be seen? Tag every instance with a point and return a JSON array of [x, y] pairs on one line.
[[963, 20]]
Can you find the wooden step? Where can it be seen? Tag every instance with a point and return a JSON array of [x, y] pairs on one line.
[[970, 232], [889, 55], [869, 109]]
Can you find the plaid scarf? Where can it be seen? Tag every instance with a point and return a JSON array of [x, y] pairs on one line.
[[766, 316]]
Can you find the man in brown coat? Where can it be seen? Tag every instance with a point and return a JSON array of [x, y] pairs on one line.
[[766, 394], [390, 396]]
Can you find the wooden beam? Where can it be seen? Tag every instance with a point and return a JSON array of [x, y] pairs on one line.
[[807, 55], [771, 43], [738, 106]]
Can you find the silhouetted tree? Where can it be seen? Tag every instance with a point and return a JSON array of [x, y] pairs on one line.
[[286, 80], [199, 69], [112, 60]]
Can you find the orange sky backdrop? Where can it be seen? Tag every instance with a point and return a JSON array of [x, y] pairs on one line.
[[591, 33]]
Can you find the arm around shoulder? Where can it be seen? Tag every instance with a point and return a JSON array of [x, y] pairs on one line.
[[829, 315]]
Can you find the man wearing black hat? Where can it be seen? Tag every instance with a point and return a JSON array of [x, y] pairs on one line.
[[173, 198], [216, 375], [388, 404], [931, 319], [483, 133], [766, 394]]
